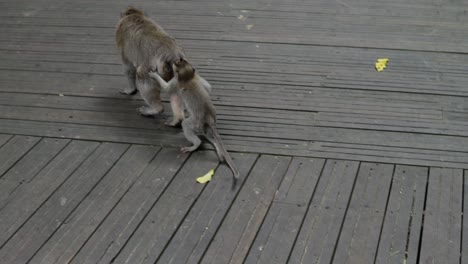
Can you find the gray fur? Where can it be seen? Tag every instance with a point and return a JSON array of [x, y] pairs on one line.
[[202, 114], [145, 46]]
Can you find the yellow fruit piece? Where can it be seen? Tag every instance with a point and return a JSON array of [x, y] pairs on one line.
[[206, 178], [381, 64]]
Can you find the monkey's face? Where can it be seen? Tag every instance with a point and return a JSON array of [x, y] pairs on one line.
[[183, 70]]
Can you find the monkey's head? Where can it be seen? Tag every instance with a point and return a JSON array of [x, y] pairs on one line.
[[183, 70], [131, 11]]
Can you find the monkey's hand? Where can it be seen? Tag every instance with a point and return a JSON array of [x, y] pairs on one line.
[[188, 149], [173, 123], [155, 76], [149, 112]]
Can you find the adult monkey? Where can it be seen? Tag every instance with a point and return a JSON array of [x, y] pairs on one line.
[[144, 44]]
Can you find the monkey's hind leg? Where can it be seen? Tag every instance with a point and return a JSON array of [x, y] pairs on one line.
[[150, 93], [130, 72], [190, 135]]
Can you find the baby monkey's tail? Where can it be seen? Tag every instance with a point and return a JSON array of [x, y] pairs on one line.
[[222, 153]]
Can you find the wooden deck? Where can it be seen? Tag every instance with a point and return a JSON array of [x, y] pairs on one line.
[[339, 163]]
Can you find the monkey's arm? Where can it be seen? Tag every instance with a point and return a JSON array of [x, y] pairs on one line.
[[206, 84], [162, 83]]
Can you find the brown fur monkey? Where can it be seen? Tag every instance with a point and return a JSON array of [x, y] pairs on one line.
[[194, 91], [145, 46]]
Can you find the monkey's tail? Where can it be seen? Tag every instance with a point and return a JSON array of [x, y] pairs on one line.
[[220, 148]]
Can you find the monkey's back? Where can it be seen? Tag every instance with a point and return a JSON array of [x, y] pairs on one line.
[[143, 42], [198, 102]]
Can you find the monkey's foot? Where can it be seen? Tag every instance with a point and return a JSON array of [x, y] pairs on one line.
[[128, 91], [173, 123], [148, 111], [188, 149]]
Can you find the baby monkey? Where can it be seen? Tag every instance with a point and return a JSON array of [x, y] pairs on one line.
[[194, 91]]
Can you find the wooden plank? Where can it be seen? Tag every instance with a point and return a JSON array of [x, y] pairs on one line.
[[464, 247], [288, 131], [128, 119], [117, 120], [156, 230], [111, 235], [91, 132], [399, 241], [199, 226], [361, 228], [237, 232], [276, 237], [440, 241], [26, 202], [92, 209], [4, 139], [115, 112], [382, 112], [324, 39], [338, 68], [104, 76], [392, 10], [302, 72], [313, 32], [13, 150], [64, 109], [320, 230], [409, 118], [338, 143], [343, 28], [28, 167], [320, 57], [128, 135], [82, 85], [291, 6], [52, 214], [382, 104]]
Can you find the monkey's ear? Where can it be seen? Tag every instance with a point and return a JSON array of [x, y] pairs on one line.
[[132, 10]]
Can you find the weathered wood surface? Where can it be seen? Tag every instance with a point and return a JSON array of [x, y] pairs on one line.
[[441, 239], [400, 235], [90, 202], [340, 163], [298, 76], [325, 214]]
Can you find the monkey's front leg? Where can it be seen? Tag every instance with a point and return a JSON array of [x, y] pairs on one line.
[[190, 135]]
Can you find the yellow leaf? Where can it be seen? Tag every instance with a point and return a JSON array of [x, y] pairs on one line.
[[381, 64], [384, 60], [206, 178]]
